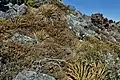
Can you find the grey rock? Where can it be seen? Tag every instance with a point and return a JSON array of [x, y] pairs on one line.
[[22, 9], [112, 39], [10, 5], [13, 11], [80, 26], [38, 2], [23, 39], [2, 14], [31, 75], [16, 7], [12, 1], [96, 25]]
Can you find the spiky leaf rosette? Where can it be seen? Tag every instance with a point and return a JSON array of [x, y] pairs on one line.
[[84, 71]]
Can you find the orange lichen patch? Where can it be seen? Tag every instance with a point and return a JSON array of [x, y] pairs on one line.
[[95, 67]]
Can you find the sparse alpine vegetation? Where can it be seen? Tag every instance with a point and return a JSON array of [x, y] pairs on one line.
[[47, 37]]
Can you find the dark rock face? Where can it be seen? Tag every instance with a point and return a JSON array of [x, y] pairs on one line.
[[109, 28], [3, 4], [12, 8], [19, 2], [2, 7], [94, 25], [97, 19], [101, 22]]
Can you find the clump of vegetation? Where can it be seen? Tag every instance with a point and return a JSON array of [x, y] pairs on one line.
[[95, 50], [82, 70], [53, 67], [30, 2], [3, 20], [94, 46], [42, 35], [49, 25]]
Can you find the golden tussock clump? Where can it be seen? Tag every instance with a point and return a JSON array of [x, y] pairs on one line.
[[84, 71]]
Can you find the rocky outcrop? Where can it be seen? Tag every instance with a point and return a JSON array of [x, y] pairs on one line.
[[80, 26], [31, 75], [13, 11], [95, 25], [3, 4], [12, 8], [108, 28], [45, 41], [23, 39]]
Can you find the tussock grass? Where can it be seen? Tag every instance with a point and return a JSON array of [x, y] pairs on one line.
[[50, 27], [84, 71]]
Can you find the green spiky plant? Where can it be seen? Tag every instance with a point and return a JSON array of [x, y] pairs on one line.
[[84, 71], [30, 2]]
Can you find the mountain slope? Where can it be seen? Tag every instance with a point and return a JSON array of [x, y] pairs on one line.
[[56, 40]]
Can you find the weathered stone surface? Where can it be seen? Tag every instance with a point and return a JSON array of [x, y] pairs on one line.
[[22, 9], [2, 14], [31, 75], [79, 25], [4, 2], [94, 25], [24, 39], [13, 11]]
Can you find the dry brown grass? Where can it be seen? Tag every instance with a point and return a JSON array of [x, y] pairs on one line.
[[95, 46], [48, 17], [48, 25]]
